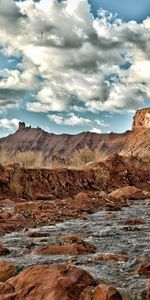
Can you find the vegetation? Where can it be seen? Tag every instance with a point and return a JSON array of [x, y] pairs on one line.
[[29, 159], [15, 185], [102, 176], [5, 156], [85, 155], [35, 159]]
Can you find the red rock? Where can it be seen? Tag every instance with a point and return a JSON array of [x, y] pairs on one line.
[[70, 238], [144, 269], [134, 222], [141, 119], [72, 249], [81, 200], [7, 270], [3, 250], [111, 257], [7, 291], [57, 282], [129, 192], [106, 292], [36, 234]]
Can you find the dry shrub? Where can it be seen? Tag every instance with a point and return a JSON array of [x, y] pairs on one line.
[[30, 159], [15, 185], [102, 176], [85, 155], [5, 155]]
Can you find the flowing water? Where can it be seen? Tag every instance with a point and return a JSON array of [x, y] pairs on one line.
[[109, 236]]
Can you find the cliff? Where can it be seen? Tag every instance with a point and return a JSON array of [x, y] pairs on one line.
[[141, 119]]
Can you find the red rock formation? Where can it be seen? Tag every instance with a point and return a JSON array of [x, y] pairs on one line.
[[141, 119], [64, 145]]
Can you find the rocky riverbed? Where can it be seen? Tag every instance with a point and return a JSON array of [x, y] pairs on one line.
[[121, 238]]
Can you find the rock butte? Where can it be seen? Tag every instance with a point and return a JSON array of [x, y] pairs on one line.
[[141, 119]]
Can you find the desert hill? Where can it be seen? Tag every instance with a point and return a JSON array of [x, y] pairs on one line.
[[134, 142]]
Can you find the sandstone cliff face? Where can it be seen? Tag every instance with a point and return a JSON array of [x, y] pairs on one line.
[[141, 119]]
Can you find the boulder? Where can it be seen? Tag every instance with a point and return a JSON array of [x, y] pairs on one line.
[[37, 234], [57, 282], [81, 200], [106, 292], [134, 222], [3, 250], [7, 270], [144, 269], [71, 249], [111, 257], [129, 192], [70, 238]]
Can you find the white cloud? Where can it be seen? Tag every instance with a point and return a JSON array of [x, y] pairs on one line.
[[69, 120], [9, 124], [96, 130], [75, 55]]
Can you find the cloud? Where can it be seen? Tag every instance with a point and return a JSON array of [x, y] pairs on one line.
[[9, 124], [96, 130], [70, 120], [84, 63], [14, 85]]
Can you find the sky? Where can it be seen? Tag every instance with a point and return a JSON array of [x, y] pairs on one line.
[[73, 65]]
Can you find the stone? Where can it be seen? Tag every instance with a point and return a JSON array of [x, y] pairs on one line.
[[57, 282], [3, 250], [111, 257], [144, 269], [134, 222], [70, 238], [81, 200], [106, 292], [36, 234], [7, 270], [129, 192], [72, 249], [7, 291]]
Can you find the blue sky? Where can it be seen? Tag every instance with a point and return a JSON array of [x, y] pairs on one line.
[[128, 10], [73, 66]]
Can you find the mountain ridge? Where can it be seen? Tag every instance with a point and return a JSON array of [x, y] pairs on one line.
[[135, 141]]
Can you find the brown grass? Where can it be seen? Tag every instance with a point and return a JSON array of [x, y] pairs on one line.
[[15, 185], [30, 159], [84, 156], [102, 176]]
